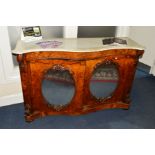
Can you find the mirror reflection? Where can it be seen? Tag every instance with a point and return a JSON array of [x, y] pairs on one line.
[[104, 80], [58, 87]]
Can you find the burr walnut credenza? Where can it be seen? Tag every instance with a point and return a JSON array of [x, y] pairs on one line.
[[75, 76]]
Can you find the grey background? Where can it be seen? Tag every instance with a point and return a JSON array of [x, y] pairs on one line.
[[96, 31]]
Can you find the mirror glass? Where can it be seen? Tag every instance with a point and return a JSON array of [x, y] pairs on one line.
[[58, 87], [104, 80]]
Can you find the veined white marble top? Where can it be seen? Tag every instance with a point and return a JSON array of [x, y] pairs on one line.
[[72, 45]]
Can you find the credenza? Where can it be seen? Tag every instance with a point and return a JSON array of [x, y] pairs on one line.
[[76, 75]]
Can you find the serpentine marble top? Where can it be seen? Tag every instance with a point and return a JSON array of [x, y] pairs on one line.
[[74, 45]]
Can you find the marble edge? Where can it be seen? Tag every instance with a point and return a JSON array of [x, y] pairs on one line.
[[72, 50]]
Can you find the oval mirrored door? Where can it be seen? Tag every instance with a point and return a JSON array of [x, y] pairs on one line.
[[104, 80], [58, 87]]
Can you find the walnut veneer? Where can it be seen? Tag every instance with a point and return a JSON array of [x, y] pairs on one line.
[[81, 65]]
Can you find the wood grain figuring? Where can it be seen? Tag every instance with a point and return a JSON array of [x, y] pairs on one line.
[[81, 65]]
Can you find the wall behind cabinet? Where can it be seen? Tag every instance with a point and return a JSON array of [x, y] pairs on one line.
[[145, 35], [96, 31]]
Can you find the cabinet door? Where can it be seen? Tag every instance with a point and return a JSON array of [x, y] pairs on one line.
[[57, 85], [108, 81]]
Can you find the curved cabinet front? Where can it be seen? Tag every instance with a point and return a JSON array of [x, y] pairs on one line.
[[74, 83]]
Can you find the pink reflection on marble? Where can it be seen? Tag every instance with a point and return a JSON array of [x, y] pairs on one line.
[[49, 44]]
